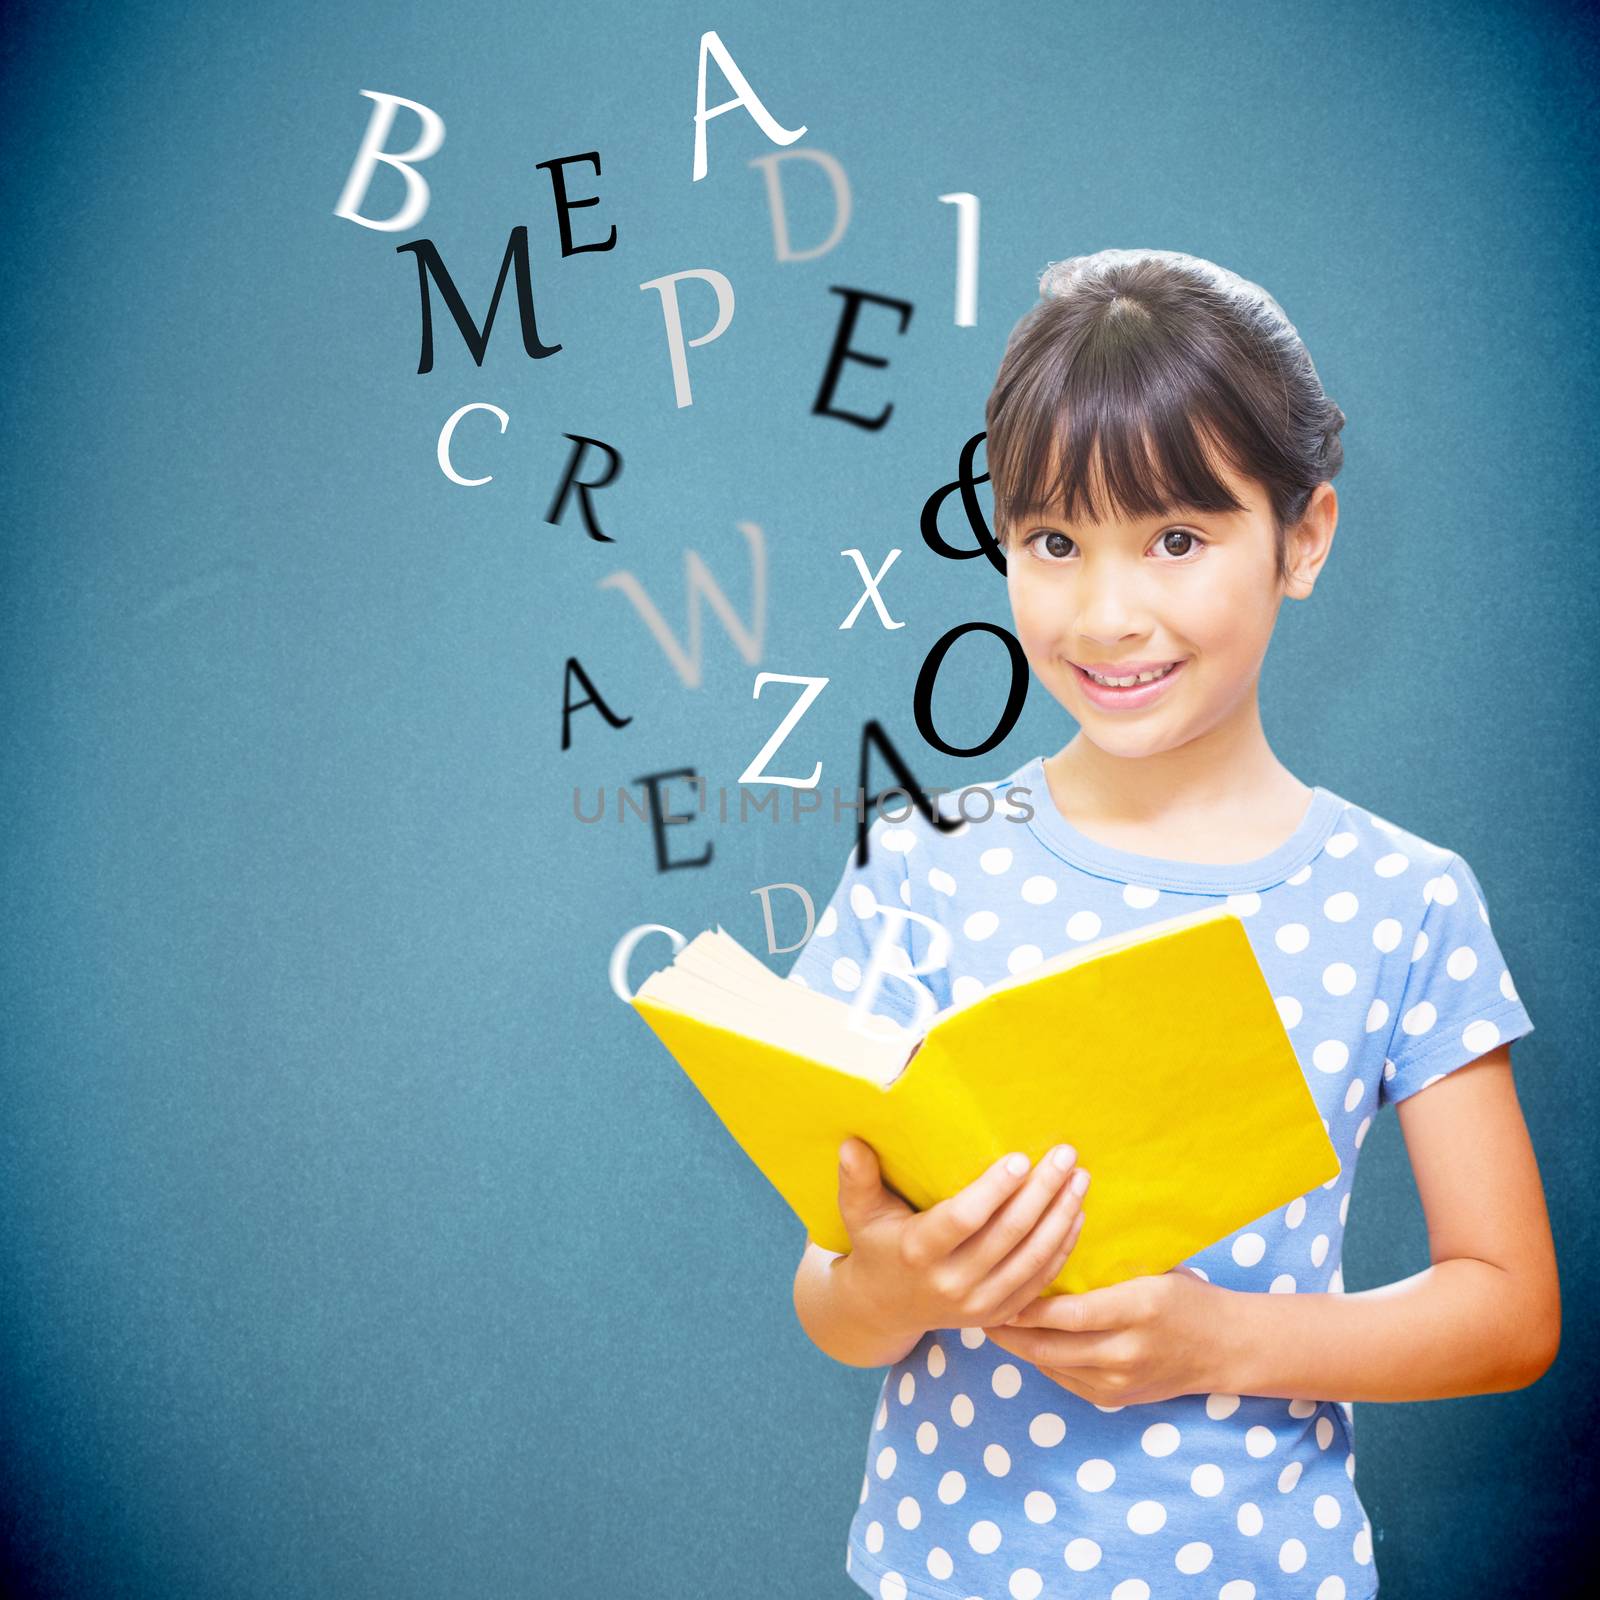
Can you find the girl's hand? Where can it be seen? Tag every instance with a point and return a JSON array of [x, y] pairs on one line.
[[975, 1258], [1130, 1343]]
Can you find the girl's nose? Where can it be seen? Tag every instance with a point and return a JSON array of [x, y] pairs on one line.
[[1113, 626], [1112, 608]]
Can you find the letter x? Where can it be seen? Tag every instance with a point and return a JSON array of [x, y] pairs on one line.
[[872, 580]]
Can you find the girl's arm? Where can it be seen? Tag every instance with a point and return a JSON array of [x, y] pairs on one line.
[[1484, 1318], [834, 1318]]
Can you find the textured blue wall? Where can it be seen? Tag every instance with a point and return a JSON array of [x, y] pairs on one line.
[[356, 1240]]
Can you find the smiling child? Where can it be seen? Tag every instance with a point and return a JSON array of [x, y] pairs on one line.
[[1161, 452]]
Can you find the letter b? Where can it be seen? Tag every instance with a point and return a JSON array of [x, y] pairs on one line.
[[372, 152]]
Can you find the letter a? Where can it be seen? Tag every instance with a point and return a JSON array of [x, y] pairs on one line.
[[744, 96]]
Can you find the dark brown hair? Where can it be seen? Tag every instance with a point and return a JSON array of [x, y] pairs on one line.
[[1147, 363]]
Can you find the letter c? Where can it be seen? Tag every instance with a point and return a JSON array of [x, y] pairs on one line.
[[448, 431], [618, 971]]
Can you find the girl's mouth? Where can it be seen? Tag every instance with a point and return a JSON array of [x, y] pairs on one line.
[[1131, 698]]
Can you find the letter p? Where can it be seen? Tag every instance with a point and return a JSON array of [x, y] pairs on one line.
[[667, 288]]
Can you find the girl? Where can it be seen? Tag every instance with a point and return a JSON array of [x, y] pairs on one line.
[[1160, 449]]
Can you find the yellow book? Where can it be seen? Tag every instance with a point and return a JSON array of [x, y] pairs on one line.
[[1159, 1054]]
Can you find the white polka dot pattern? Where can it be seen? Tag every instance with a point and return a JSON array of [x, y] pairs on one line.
[[986, 1478]]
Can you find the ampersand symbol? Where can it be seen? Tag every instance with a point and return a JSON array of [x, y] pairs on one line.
[[968, 485]]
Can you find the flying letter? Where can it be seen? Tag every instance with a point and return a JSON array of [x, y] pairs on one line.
[[371, 153], [744, 96]]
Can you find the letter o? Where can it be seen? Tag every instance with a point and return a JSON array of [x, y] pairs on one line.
[[988, 798], [911, 805], [922, 701]]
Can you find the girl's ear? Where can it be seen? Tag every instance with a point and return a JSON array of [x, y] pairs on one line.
[[1310, 542]]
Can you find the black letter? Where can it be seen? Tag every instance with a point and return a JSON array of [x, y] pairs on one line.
[[907, 785], [558, 182], [922, 701], [570, 482], [659, 818], [430, 261], [595, 699], [842, 353]]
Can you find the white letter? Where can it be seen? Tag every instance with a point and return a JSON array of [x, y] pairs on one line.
[[774, 949], [966, 257], [743, 95], [448, 431], [667, 288], [698, 579], [780, 221], [371, 153], [871, 591], [888, 939], [752, 774], [618, 971]]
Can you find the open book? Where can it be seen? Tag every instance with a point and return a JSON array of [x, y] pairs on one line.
[[1159, 1054]]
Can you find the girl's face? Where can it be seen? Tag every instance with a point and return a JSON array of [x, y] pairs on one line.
[[1198, 589]]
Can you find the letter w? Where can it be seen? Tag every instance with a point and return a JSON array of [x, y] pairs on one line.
[[698, 580]]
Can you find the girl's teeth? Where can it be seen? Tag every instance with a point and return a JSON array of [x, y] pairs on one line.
[[1124, 683]]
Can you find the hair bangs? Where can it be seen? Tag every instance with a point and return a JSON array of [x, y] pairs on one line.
[[1112, 423]]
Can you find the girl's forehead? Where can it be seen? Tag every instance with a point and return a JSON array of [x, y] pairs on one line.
[[1098, 502]]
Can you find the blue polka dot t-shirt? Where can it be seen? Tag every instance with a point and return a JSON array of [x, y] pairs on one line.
[[986, 1480]]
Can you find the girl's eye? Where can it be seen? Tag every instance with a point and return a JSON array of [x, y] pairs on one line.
[[1052, 541], [1051, 545]]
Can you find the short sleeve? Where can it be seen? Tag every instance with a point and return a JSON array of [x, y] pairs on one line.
[[1459, 1001], [836, 956]]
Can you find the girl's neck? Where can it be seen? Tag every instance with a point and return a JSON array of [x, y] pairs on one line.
[[1186, 803]]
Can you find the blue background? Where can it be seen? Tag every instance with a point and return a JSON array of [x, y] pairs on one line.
[[356, 1239]]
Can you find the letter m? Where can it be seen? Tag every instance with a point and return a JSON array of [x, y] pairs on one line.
[[698, 581], [431, 264]]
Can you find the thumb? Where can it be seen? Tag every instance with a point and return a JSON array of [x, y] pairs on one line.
[[862, 1195], [857, 1162]]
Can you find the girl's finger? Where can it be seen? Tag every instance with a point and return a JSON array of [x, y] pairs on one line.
[[1074, 1228], [953, 1222]]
